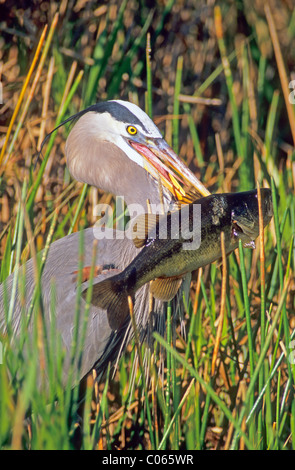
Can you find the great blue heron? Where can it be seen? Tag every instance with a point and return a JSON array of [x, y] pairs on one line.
[[116, 147]]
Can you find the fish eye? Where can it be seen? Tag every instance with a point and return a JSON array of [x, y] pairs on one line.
[[131, 130]]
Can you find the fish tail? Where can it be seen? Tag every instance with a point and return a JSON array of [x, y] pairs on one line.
[[112, 296]]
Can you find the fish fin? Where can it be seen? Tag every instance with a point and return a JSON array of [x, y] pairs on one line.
[[143, 225], [219, 262], [109, 295], [165, 288]]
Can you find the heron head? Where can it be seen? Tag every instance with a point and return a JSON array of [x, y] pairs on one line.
[[115, 146]]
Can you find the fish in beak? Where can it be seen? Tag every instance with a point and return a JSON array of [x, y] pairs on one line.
[[164, 260], [161, 161]]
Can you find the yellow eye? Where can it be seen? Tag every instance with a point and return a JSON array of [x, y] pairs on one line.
[[131, 130]]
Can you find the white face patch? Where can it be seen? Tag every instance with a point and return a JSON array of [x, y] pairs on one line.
[[103, 127], [150, 129]]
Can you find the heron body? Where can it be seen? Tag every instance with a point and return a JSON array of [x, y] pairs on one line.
[[60, 277], [116, 147]]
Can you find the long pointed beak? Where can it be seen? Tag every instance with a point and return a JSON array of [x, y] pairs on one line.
[[161, 161]]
